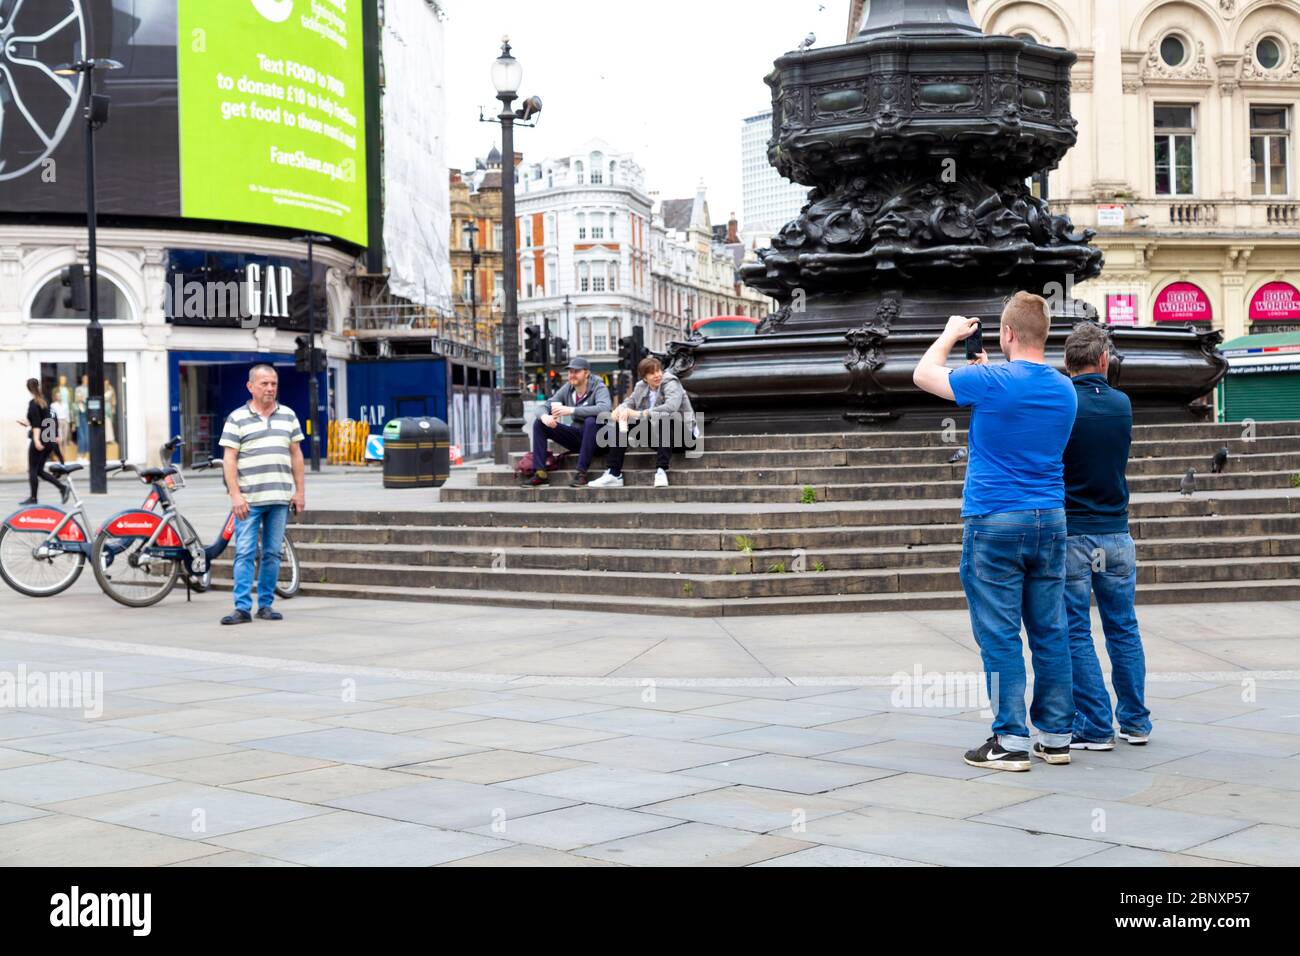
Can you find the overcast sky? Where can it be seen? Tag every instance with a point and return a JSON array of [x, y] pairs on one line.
[[667, 80]]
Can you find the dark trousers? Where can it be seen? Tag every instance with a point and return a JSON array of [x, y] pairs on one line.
[[36, 467], [581, 439], [663, 453]]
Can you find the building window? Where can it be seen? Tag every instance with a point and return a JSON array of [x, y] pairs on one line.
[[1268, 53], [48, 302], [584, 277], [598, 284], [498, 286], [597, 232], [611, 171], [1175, 149], [1173, 50], [582, 225], [597, 175], [1269, 141], [466, 286], [613, 277], [584, 335], [550, 277], [599, 345], [577, 172], [613, 218], [497, 238]]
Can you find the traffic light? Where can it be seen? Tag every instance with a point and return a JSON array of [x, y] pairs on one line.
[[559, 352], [631, 349], [534, 347], [74, 281], [302, 355]]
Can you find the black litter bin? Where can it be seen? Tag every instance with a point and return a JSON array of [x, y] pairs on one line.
[[417, 453]]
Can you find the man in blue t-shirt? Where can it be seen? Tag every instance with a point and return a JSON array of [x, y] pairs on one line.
[[1100, 557], [1014, 535]]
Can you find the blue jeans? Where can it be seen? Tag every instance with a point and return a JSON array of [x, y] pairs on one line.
[[1105, 565], [580, 438], [1013, 569], [266, 522]]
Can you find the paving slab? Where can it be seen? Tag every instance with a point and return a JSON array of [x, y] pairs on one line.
[[58, 780], [489, 766], [835, 856], [451, 804], [356, 839], [694, 844], [67, 841], [753, 808], [579, 826], [1151, 828], [1263, 845], [649, 753]]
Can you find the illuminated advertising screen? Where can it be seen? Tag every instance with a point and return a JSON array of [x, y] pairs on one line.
[[241, 110]]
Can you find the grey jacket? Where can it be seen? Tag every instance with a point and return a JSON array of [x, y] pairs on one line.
[[672, 399], [593, 403]]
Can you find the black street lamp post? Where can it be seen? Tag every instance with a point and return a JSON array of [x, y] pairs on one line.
[[506, 77], [96, 114], [313, 383], [470, 229]]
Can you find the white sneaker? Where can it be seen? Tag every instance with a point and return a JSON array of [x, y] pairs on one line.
[[661, 479], [607, 480]]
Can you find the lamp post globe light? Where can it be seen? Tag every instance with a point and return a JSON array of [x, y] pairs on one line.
[[96, 115]]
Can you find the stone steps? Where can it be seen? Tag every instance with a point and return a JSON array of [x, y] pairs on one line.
[[733, 536], [639, 490], [1173, 593], [755, 561]]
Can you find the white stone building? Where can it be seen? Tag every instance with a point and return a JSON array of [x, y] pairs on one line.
[[583, 223], [694, 273]]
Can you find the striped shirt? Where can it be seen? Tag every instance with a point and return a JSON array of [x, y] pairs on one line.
[[265, 466]]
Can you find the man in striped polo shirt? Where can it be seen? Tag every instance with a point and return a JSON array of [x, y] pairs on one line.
[[264, 472]]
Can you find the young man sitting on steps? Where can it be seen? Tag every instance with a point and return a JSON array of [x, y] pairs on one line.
[[586, 398], [660, 417]]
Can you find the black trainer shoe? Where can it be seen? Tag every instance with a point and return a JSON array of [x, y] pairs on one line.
[[29, 501], [237, 617], [65, 492], [580, 480], [1133, 737], [1052, 754], [992, 757], [1078, 743], [269, 614], [539, 479]]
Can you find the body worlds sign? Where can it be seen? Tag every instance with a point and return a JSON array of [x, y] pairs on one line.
[[1182, 302], [1275, 302]]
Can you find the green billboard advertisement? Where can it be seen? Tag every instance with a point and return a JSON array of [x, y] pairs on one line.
[[271, 98]]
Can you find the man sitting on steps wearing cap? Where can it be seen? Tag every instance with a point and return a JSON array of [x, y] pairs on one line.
[[586, 398]]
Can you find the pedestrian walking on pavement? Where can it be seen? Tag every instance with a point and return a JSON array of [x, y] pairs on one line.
[[42, 433], [265, 473]]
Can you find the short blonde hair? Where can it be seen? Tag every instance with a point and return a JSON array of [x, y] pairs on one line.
[[1029, 317]]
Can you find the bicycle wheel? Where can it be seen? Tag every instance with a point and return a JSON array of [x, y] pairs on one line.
[[128, 573], [34, 572], [287, 584]]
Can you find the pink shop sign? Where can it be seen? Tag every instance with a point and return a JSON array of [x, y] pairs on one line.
[[1182, 302]]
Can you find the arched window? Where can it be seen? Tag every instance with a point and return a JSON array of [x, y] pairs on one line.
[[577, 172], [48, 302], [584, 335], [598, 225], [613, 277], [584, 277], [582, 225], [597, 163]]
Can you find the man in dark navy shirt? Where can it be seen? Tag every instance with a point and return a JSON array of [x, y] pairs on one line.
[[1100, 557], [1014, 531]]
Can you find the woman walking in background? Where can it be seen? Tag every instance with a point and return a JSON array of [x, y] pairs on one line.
[[43, 433]]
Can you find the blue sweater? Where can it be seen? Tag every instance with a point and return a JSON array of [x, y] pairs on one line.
[[1096, 491]]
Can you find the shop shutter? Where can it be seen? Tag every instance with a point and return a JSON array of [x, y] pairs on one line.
[[1263, 397]]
